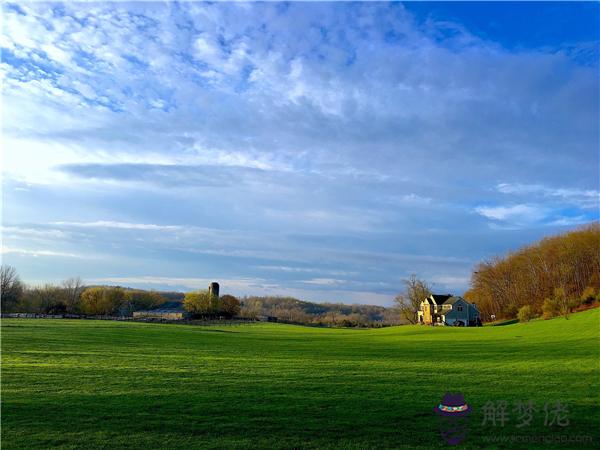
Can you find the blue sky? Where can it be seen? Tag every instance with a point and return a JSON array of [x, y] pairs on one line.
[[321, 150]]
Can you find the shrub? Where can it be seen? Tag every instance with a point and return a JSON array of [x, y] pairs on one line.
[[589, 295], [558, 304], [510, 311], [525, 314], [549, 308]]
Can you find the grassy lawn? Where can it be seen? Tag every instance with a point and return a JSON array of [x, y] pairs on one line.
[[101, 384]]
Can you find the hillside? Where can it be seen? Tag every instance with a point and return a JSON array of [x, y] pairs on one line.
[[334, 314], [80, 383], [558, 269]]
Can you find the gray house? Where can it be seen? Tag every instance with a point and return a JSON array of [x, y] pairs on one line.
[[448, 310]]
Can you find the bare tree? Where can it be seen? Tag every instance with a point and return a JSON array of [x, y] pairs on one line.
[[250, 308], [11, 288], [408, 302], [73, 287]]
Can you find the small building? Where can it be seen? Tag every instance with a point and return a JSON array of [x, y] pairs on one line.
[[162, 313], [267, 318], [448, 310]]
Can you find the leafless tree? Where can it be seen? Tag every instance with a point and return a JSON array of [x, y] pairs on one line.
[[408, 302], [73, 287], [11, 288]]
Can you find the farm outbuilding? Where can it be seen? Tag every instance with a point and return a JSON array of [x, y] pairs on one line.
[[163, 313], [267, 318]]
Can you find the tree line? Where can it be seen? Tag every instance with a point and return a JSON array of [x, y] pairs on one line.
[[551, 277], [72, 297]]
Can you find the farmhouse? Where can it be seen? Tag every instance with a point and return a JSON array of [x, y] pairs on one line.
[[448, 310]]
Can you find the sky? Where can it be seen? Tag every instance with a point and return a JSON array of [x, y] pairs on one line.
[[325, 151]]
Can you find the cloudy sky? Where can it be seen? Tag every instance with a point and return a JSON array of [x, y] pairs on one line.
[[321, 150]]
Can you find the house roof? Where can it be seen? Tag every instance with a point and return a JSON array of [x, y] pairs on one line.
[[439, 299], [164, 311], [170, 305], [452, 300]]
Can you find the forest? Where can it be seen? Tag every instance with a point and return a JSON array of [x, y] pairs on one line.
[[554, 276]]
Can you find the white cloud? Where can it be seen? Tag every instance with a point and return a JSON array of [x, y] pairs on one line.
[[36, 253], [120, 225], [569, 221], [33, 232], [324, 281], [57, 54], [515, 213], [587, 198], [290, 269], [409, 199], [207, 51]]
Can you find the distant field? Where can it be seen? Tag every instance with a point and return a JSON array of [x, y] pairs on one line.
[[101, 384]]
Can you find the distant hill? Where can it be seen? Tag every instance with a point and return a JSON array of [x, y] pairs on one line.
[[300, 311], [336, 314]]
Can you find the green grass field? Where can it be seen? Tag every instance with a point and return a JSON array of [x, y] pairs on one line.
[[101, 384]]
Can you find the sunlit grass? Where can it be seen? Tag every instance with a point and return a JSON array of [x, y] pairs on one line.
[[96, 384]]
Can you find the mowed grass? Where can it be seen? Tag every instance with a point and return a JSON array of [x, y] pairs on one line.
[[101, 384]]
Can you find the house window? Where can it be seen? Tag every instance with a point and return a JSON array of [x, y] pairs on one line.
[[459, 308]]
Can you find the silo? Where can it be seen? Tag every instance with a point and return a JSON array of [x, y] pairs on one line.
[[213, 289]]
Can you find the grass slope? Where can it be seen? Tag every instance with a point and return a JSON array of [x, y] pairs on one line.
[[100, 384]]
